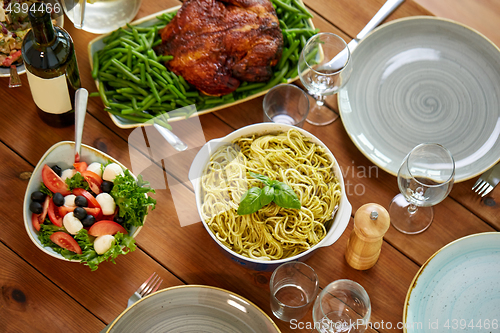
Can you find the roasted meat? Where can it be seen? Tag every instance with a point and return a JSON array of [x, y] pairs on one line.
[[216, 44]]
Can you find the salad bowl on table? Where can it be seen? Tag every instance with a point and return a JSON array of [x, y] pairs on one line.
[[341, 215], [62, 154]]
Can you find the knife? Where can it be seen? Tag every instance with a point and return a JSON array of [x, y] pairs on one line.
[[339, 60]]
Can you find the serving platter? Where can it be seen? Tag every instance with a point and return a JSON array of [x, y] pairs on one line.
[[457, 288], [193, 308], [98, 44], [425, 79]]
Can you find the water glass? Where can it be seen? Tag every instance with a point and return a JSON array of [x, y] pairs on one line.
[[343, 306], [293, 286], [286, 104]]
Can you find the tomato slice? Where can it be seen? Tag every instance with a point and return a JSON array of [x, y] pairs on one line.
[[93, 180], [54, 215], [112, 216], [105, 227], [65, 241], [53, 181], [80, 166], [38, 219], [96, 212], [92, 202]]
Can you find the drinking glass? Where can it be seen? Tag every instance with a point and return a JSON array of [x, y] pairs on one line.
[[324, 67], [286, 104], [342, 306], [425, 178], [293, 287]]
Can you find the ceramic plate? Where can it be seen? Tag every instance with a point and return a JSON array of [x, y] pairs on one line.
[[193, 308], [458, 288], [97, 44], [425, 79]]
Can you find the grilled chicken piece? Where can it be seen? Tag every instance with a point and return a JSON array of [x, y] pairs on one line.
[[217, 44]]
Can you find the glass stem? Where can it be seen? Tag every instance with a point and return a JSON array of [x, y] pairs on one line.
[[412, 209], [320, 100]]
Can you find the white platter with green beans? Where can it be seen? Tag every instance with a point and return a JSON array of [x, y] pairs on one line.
[[135, 86]]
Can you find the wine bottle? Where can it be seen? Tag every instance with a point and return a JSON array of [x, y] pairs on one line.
[[51, 67]]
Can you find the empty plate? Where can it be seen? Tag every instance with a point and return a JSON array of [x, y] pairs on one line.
[[425, 79]]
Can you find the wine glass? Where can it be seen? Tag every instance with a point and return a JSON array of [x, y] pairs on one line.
[[425, 178], [324, 68], [342, 306]]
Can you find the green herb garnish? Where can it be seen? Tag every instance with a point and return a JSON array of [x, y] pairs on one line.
[[131, 199], [256, 198], [45, 190], [77, 181]]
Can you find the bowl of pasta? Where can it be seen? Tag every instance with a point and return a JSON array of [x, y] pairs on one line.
[[269, 193]]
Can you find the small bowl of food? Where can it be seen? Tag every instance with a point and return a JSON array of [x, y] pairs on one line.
[[86, 212], [269, 193], [14, 25]]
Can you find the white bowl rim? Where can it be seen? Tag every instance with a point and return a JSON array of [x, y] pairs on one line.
[[265, 128]]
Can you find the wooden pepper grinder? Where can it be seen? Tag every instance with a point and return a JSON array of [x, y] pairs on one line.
[[371, 222]]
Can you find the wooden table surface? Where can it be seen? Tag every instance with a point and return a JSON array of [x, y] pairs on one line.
[[43, 294]]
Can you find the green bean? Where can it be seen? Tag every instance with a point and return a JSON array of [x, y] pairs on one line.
[[251, 86], [142, 73], [103, 95], [95, 65], [287, 53], [176, 91], [277, 79], [153, 88], [122, 68], [308, 31], [302, 8], [286, 7], [164, 58]]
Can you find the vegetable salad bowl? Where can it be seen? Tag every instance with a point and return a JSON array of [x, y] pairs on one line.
[[62, 154]]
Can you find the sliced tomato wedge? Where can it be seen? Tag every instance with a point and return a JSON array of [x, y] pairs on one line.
[[92, 202], [54, 215], [93, 180], [105, 227], [38, 219], [65, 241], [96, 212], [53, 181], [80, 166]]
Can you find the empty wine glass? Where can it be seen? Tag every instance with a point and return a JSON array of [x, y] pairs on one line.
[[324, 68], [425, 179]]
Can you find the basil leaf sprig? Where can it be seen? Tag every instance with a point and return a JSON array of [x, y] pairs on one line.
[[274, 190]]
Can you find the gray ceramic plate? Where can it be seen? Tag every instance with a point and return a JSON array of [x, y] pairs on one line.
[[458, 288], [425, 79], [196, 309]]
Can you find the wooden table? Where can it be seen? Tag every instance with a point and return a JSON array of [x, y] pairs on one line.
[[43, 294]]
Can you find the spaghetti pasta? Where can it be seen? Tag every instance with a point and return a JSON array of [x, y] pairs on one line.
[[272, 232]]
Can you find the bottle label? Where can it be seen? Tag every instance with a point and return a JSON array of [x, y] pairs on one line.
[[50, 95]]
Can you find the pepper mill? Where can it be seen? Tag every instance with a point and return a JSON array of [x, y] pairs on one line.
[[371, 222]]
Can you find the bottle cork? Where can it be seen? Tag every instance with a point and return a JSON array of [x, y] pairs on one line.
[[371, 222]]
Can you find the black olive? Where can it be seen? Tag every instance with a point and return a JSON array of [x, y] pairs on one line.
[[57, 170], [81, 201], [58, 199], [118, 219], [106, 186], [38, 196], [36, 207], [88, 221], [80, 213]]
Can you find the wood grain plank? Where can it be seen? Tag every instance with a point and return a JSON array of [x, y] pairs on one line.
[[30, 301], [104, 292]]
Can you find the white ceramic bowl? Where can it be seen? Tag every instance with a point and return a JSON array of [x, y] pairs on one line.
[[340, 221], [62, 154]]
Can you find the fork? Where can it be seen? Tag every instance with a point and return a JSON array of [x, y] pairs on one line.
[[149, 286], [487, 181]]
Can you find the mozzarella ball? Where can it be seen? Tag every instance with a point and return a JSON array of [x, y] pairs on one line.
[[107, 203], [95, 168], [111, 171], [69, 200], [103, 243], [68, 173], [72, 224]]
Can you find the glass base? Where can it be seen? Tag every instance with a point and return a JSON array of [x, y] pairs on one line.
[[321, 115], [405, 221]]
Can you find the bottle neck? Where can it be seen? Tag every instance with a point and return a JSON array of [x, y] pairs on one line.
[[41, 24]]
